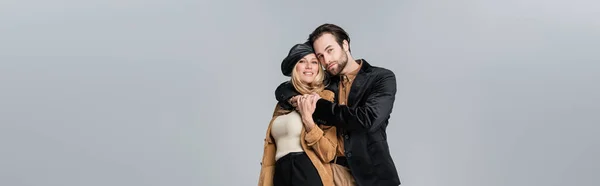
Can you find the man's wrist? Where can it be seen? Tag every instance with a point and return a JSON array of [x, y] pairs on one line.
[[285, 105]]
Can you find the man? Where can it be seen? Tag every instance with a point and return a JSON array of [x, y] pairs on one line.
[[364, 99]]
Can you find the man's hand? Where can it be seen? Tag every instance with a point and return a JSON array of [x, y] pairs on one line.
[[294, 101], [314, 97]]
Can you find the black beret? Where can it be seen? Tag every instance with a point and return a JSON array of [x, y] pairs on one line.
[[296, 53]]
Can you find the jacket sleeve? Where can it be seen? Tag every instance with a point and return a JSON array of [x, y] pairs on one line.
[[369, 116], [283, 93], [323, 140]]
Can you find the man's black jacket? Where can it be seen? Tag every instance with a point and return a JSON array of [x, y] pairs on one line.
[[363, 122]]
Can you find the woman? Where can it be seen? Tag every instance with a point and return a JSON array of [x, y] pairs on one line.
[[297, 151]]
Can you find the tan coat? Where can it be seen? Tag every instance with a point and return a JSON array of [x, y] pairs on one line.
[[320, 144]]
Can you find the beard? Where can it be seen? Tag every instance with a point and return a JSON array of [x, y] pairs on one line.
[[341, 64]]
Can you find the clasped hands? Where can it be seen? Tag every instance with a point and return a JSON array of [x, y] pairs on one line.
[[305, 104]]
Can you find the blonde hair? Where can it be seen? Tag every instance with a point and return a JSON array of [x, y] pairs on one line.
[[304, 88]]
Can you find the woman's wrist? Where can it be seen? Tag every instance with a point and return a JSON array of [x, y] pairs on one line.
[[308, 123], [307, 118]]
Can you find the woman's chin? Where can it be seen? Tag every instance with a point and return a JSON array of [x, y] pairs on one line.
[[308, 82]]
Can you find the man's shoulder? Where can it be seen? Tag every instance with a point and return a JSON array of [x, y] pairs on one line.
[[380, 72]]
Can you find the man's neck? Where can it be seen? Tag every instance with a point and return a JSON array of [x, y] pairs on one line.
[[351, 66]]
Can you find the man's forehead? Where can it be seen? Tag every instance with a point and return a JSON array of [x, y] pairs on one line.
[[323, 42], [325, 38]]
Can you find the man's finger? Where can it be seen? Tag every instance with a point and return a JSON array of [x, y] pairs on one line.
[[294, 99]]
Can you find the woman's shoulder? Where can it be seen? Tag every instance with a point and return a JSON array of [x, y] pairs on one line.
[[327, 94]]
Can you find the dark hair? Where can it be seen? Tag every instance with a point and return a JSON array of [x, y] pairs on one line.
[[339, 34]]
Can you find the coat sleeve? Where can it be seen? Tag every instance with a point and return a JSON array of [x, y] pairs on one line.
[[266, 175], [267, 167], [267, 164], [369, 116], [323, 140]]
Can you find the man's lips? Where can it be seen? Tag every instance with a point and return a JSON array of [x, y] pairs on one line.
[[330, 66]]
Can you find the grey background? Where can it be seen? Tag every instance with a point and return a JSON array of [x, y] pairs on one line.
[[180, 92]]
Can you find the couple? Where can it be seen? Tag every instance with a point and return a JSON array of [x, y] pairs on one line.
[[324, 122]]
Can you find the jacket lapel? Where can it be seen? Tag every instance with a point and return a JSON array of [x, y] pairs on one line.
[[357, 85]]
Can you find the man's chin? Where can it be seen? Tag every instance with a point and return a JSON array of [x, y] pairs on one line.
[[334, 72]]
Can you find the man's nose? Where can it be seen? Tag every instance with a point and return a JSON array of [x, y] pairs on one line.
[[326, 60]]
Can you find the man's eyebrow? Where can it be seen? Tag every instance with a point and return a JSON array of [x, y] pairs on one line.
[[319, 54]]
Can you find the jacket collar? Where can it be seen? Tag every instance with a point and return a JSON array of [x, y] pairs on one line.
[[365, 67], [359, 82]]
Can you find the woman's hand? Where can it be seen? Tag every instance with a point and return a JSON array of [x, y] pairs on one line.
[[294, 100], [306, 107]]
